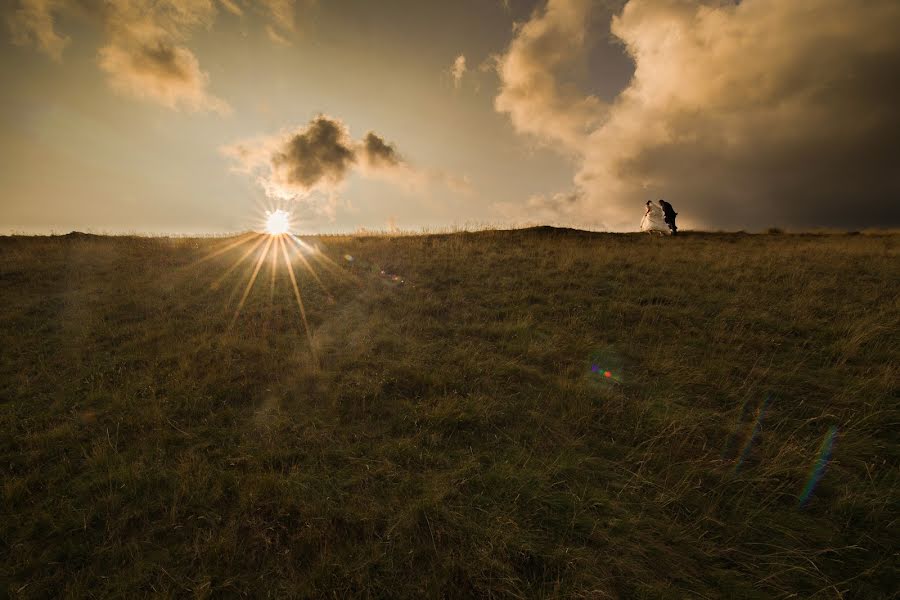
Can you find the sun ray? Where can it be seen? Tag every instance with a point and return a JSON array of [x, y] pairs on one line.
[[324, 260], [290, 270], [215, 284], [242, 239], [273, 269], [298, 250], [259, 264], [270, 306], [238, 285]]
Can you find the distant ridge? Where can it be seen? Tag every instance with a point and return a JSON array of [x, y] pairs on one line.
[[80, 235]]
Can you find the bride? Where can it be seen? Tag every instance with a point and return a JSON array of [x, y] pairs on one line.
[[653, 221]]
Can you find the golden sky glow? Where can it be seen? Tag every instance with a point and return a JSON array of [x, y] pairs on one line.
[[195, 116]]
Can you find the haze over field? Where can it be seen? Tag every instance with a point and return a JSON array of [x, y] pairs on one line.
[[191, 117]]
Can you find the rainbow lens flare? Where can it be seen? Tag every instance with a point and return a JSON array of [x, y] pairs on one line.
[[818, 468], [606, 367]]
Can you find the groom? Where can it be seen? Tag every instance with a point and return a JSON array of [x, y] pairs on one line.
[[669, 214]]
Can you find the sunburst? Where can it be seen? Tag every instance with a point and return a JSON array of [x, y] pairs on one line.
[[278, 222], [272, 241]]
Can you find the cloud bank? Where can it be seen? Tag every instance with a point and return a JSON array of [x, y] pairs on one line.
[[743, 115], [145, 55]]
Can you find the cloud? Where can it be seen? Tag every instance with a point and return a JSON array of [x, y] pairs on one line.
[[533, 90], [31, 22], [281, 12], [282, 16], [277, 37], [743, 115], [145, 54], [458, 69], [311, 163], [380, 159], [145, 58], [161, 72], [232, 7], [377, 153], [316, 158]]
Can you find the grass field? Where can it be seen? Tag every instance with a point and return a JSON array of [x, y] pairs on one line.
[[531, 413]]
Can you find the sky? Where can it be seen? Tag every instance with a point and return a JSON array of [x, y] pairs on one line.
[[197, 116]]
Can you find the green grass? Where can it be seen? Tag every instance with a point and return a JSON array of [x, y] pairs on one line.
[[449, 437]]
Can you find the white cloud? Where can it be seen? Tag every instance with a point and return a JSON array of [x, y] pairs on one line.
[[533, 90]]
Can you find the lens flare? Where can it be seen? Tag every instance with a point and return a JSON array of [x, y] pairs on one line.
[[606, 366], [818, 468], [604, 373], [278, 222]]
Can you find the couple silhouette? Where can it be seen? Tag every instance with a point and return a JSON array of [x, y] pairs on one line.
[[659, 219]]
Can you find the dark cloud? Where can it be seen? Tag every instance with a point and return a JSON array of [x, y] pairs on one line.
[[311, 163], [744, 115], [162, 60], [378, 153], [317, 158], [320, 154]]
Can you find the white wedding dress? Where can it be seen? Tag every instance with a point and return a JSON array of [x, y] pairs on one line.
[[654, 221]]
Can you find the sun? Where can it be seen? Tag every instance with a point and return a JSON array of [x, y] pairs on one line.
[[278, 222]]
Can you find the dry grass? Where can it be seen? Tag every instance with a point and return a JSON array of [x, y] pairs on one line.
[[448, 436]]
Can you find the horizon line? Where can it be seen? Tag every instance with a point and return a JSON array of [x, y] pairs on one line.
[[426, 231]]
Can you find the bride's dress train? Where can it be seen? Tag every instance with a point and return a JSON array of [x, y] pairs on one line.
[[654, 221]]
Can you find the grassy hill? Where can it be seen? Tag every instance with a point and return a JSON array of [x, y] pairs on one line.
[[531, 413]]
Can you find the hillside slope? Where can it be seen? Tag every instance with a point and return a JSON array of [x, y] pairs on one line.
[[527, 413]]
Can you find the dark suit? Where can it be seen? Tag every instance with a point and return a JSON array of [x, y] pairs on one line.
[[669, 215]]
